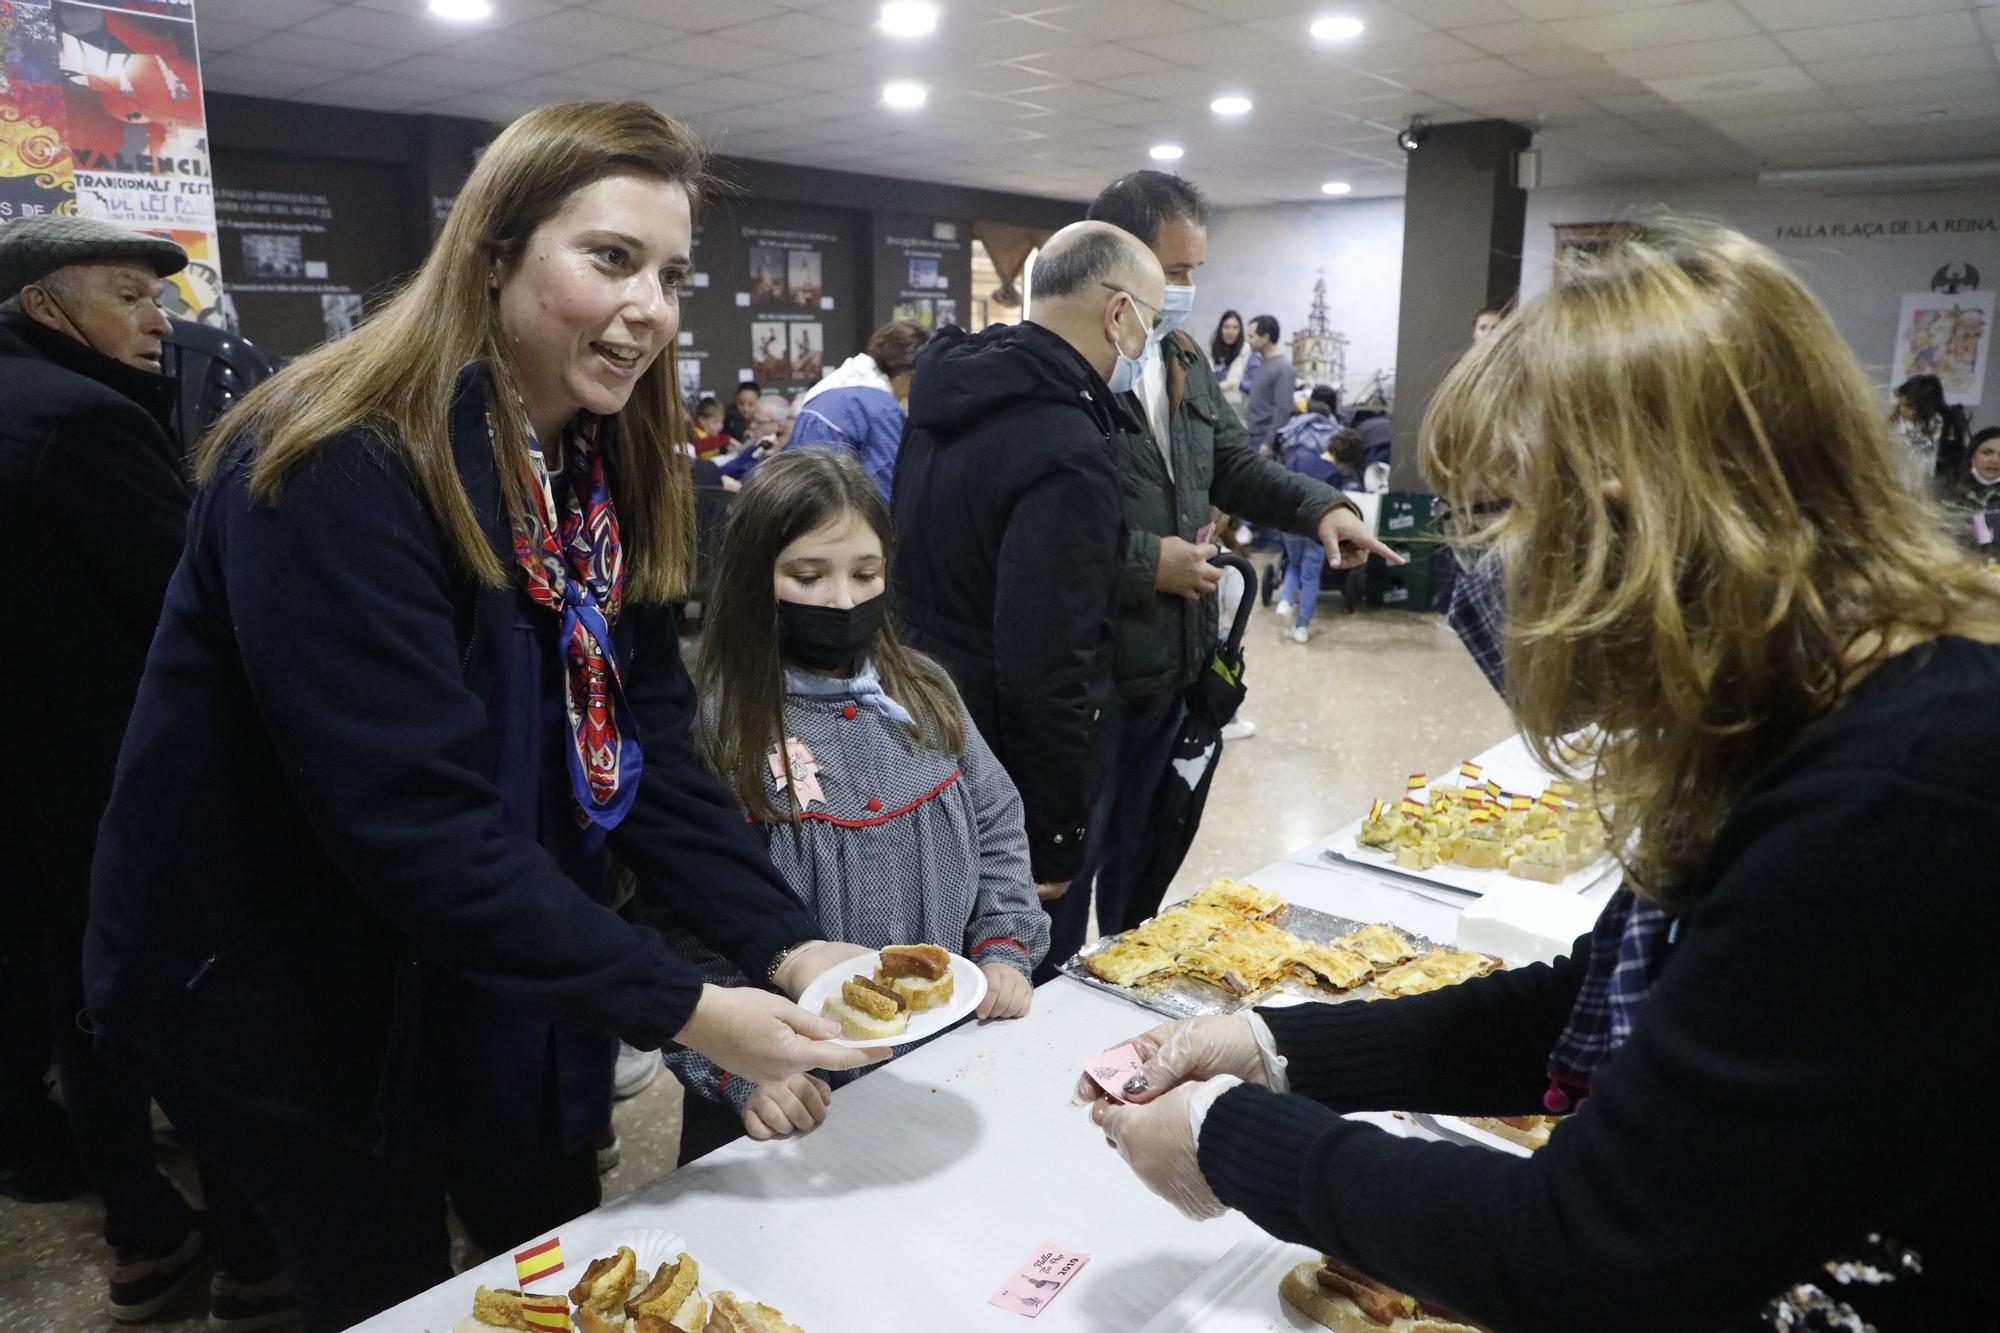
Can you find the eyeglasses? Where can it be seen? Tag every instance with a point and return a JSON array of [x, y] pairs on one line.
[[1158, 313]]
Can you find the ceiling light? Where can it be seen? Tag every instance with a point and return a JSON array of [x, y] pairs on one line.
[[1335, 187], [904, 96], [1337, 29], [461, 11], [1230, 106], [908, 18], [1166, 152]]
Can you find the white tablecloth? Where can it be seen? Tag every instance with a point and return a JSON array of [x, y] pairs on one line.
[[936, 1176]]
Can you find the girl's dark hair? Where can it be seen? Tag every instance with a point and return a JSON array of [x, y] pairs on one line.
[[895, 345], [1220, 352], [1324, 394], [739, 674]]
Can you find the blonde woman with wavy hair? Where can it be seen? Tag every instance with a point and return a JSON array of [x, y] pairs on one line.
[[1792, 672], [417, 674]]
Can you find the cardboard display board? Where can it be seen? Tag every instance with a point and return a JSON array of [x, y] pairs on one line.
[[773, 298]]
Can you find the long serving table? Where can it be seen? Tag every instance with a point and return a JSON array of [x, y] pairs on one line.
[[937, 1176]]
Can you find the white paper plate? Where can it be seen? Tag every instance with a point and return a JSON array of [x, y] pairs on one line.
[[1466, 1132], [968, 988]]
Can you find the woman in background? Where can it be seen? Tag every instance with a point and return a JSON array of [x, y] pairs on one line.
[[1232, 358]]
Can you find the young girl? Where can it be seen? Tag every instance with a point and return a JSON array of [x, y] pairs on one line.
[[1974, 495], [890, 819]]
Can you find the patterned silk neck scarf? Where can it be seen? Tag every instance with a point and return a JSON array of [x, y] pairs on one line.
[[1627, 948], [576, 568]]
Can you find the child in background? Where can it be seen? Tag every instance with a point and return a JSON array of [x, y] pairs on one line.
[[1975, 494], [892, 820], [1302, 446], [710, 441]]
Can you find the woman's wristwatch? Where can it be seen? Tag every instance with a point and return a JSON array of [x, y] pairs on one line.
[[778, 961]]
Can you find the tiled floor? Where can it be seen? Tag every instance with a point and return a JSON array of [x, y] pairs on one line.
[[1340, 719]]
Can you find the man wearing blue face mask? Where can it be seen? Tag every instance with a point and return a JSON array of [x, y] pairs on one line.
[[1008, 541], [1178, 448]]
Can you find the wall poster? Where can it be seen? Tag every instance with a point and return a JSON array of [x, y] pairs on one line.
[[787, 308], [1946, 334], [101, 114], [923, 270]]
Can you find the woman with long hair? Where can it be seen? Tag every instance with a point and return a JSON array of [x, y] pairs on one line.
[[1792, 676], [417, 673], [1230, 354], [893, 823], [1933, 428]]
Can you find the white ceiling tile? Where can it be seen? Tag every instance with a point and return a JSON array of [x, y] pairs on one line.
[[263, 13], [1981, 113], [324, 52], [504, 12], [722, 92], [1666, 26], [1098, 62], [1545, 10], [1072, 97], [1989, 19], [997, 39], [1716, 57], [1122, 20], [687, 15], [1823, 124], [1909, 92], [1629, 104], [504, 51], [1201, 46], [585, 30], [1778, 15], [1560, 62], [1766, 104], [703, 52], [630, 74], [1928, 33], [1459, 13], [369, 28], [813, 75], [1506, 39], [1696, 88], [448, 74], [1901, 65], [1461, 76], [219, 35], [799, 34], [1393, 53]]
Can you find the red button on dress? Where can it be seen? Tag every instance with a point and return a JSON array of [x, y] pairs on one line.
[[874, 804], [849, 712]]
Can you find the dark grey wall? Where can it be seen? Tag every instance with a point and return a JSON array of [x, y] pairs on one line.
[[1462, 229]]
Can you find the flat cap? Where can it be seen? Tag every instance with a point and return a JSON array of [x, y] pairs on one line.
[[32, 248]]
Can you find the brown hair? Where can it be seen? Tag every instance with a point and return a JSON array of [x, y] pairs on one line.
[[1705, 543], [894, 347], [399, 367], [741, 678]]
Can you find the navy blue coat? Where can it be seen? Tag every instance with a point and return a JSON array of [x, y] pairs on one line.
[[305, 824]]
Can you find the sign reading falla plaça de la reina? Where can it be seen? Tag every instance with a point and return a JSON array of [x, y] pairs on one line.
[[1820, 231]]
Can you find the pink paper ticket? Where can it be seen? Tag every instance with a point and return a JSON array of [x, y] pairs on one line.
[[1110, 1070], [1029, 1291]]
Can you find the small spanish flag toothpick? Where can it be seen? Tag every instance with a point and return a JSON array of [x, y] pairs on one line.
[[552, 1314], [540, 1261], [1471, 772], [1376, 811], [1520, 803], [1494, 792], [1410, 807], [1418, 782]]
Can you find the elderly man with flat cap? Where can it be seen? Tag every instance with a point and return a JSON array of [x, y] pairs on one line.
[[96, 504]]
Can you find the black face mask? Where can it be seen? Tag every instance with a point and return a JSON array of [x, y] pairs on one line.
[[828, 639]]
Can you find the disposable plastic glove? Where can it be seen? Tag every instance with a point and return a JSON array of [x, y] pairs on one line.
[[766, 1038], [796, 1105], [1159, 1139], [1192, 1049]]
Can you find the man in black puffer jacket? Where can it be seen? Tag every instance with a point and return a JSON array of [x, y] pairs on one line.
[[1008, 538]]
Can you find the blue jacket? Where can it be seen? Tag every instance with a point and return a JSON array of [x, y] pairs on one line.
[[866, 422], [306, 825]]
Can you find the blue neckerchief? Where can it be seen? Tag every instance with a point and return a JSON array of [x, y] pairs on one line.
[[864, 687]]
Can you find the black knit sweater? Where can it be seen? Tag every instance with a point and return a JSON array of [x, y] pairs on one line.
[[1803, 1083]]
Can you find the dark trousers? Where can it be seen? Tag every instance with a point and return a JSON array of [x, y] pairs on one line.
[[1135, 743], [111, 1116], [359, 1234], [706, 1126]]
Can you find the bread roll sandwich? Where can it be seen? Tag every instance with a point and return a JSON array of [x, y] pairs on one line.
[[501, 1308], [600, 1294], [671, 1301], [1338, 1297], [867, 1010], [920, 973], [731, 1315]]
